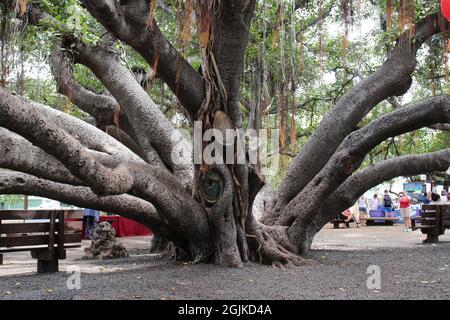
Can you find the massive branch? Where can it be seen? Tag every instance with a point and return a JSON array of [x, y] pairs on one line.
[[128, 206], [127, 20], [393, 78], [153, 130], [102, 107], [410, 165], [20, 155], [20, 117], [349, 192], [173, 203], [352, 152]]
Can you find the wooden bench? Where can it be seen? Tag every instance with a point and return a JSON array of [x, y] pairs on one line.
[[42, 232], [387, 220], [338, 220], [381, 216], [433, 221]]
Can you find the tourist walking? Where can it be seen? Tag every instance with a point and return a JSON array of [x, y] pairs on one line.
[[405, 210], [375, 202], [354, 210], [363, 205], [387, 201], [91, 218]]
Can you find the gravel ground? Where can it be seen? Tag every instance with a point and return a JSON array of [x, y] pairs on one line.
[[409, 270], [419, 273]]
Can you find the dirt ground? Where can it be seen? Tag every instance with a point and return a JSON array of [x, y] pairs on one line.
[[342, 259]]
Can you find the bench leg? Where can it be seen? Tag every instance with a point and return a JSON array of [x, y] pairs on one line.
[[336, 225], [431, 238], [1, 259], [45, 266]]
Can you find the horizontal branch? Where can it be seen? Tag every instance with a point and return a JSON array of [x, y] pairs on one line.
[[361, 181], [355, 147], [21, 117], [125, 205], [89, 136], [441, 127], [21, 155]]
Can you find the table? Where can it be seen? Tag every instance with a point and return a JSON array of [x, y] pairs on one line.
[[124, 227]]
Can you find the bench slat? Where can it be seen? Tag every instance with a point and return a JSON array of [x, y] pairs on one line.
[[21, 249], [19, 241], [37, 214], [380, 218], [34, 240], [9, 228]]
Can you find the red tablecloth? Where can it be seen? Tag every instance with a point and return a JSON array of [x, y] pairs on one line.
[[130, 228], [124, 227]]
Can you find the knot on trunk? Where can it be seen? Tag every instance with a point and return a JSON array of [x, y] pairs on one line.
[[211, 186]]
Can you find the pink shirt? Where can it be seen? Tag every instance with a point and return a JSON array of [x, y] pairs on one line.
[[404, 202]]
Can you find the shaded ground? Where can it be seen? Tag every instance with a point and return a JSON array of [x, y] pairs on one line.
[[409, 270]]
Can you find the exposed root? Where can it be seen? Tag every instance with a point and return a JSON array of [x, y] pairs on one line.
[[273, 250]]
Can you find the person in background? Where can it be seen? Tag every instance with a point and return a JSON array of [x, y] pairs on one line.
[[405, 210], [354, 210], [387, 201], [435, 198], [375, 202], [363, 205], [443, 197], [423, 198], [347, 217], [90, 221]]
